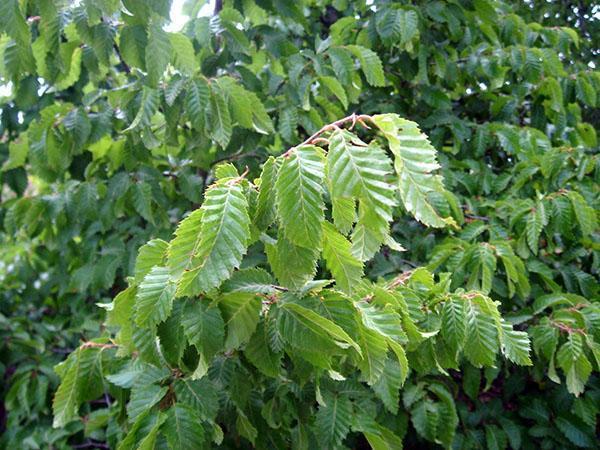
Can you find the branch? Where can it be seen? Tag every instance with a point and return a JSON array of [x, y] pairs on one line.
[[354, 118]]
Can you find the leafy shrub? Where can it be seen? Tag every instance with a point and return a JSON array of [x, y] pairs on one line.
[[320, 332]]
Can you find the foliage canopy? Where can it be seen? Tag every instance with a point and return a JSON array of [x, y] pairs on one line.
[[203, 245]]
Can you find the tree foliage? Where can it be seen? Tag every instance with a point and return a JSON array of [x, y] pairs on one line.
[[203, 245]]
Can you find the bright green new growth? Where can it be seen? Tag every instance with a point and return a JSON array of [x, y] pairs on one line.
[[196, 311]]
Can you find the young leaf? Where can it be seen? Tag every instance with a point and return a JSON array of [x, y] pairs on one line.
[[415, 160], [154, 298], [346, 269], [299, 189], [224, 233]]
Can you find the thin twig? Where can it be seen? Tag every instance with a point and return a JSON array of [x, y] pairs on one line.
[[353, 118], [97, 345]]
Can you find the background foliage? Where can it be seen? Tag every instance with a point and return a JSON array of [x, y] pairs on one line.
[[113, 128]]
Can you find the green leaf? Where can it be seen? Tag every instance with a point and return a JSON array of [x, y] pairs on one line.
[[333, 420], [535, 225], [13, 22], [148, 107], [144, 397], [204, 327], [184, 245], [357, 170], [151, 254], [482, 335], [241, 312], [142, 200], [293, 265], [573, 361], [332, 85], [17, 154], [158, 53], [245, 427], [224, 234], [370, 64], [265, 205], [182, 428], [585, 214], [132, 45], [388, 385], [374, 347], [454, 323], [259, 352], [320, 324], [220, 117], [201, 395], [196, 102], [515, 345], [252, 281], [299, 196], [415, 160], [66, 399], [184, 57], [346, 269], [154, 299]]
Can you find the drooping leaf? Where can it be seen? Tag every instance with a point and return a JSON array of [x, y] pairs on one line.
[[299, 193]]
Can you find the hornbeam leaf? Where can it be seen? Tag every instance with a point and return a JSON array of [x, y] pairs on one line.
[[374, 347], [132, 44], [184, 245], [154, 298], [184, 57], [482, 336], [224, 234], [535, 225], [158, 53], [299, 189], [144, 397], [265, 206], [196, 102], [381, 438], [149, 255], [260, 353], [388, 385], [241, 312], [573, 361], [318, 323], [220, 117], [585, 214], [252, 281], [447, 411], [13, 22], [415, 160], [454, 321], [148, 107], [515, 345], [148, 441], [370, 232], [334, 86], [385, 321], [201, 395], [355, 169], [182, 428], [66, 399], [204, 327], [370, 64], [293, 266], [346, 269], [343, 211], [333, 420]]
